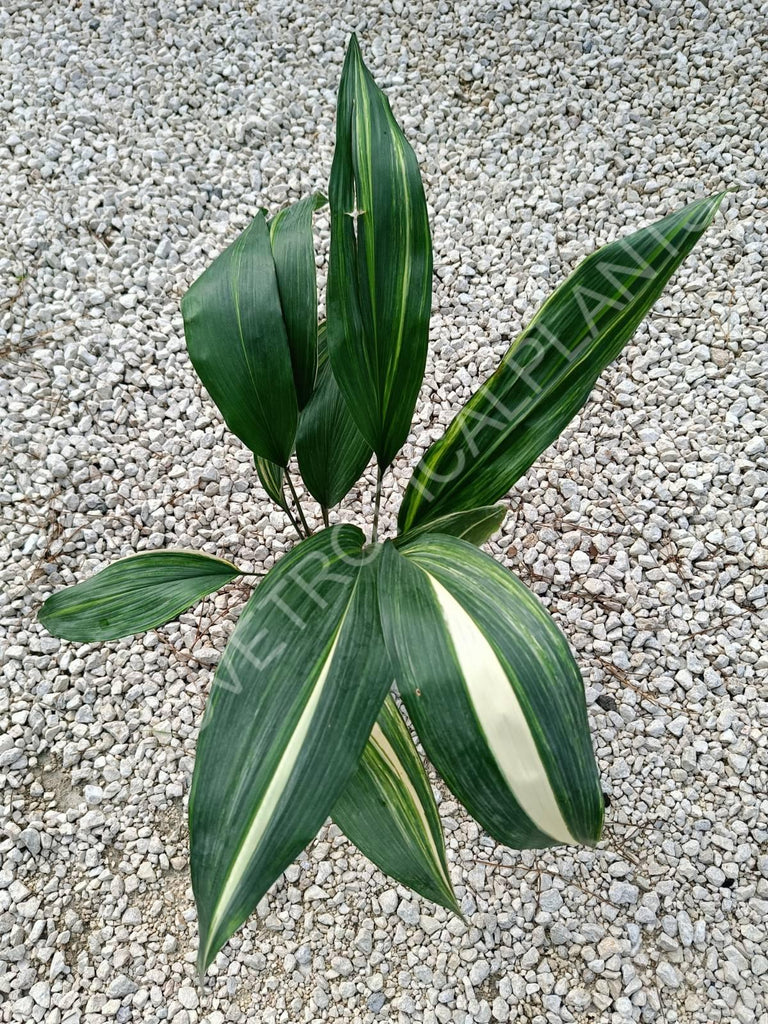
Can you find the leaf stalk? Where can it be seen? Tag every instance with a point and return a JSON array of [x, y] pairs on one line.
[[297, 503], [376, 507]]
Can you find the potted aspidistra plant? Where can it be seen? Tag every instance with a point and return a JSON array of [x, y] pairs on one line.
[[301, 723]]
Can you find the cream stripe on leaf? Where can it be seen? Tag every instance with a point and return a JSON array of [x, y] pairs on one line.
[[475, 525], [493, 692], [502, 719], [388, 811], [380, 266], [272, 480], [286, 723], [548, 372], [265, 811]]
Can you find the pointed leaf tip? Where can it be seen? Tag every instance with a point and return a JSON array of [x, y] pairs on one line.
[[388, 811], [134, 594]]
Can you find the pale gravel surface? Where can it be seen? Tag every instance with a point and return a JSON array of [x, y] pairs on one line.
[[133, 148]]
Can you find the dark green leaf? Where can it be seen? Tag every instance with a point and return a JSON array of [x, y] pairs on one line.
[[493, 692], [380, 270], [331, 451], [237, 342], [388, 811], [294, 253], [549, 371], [134, 594], [293, 703]]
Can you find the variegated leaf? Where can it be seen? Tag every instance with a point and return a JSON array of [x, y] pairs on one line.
[[293, 703], [134, 594], [493, 691], [388, 811], [475, 525], [272, 479]]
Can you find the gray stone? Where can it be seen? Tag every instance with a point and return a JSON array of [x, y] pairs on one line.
[[408, 911], [41, 993], [623, 893], [580, 562], [187, 996], [388, 901], [668, 975], [121, 986], [30, 838]]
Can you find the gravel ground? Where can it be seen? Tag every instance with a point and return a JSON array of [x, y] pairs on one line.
[[133, 147]]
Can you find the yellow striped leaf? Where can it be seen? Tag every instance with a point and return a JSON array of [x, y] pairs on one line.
[[272, 479], [134, 594], [286, 724], [475, 525]]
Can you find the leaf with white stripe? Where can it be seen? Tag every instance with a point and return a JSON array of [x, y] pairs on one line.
[[380, 265], [293, 703], [549, 371], [134, 594], [388, 811], [493, 691]]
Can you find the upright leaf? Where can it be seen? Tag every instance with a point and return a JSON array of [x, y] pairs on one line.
[[380, 269], [547, 374], [388, 811], [331, 451], [293, 250], [293, 703], [493, 692], [134, 594], [237, 342]]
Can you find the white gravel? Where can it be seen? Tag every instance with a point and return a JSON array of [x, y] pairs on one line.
[[133, 147]]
